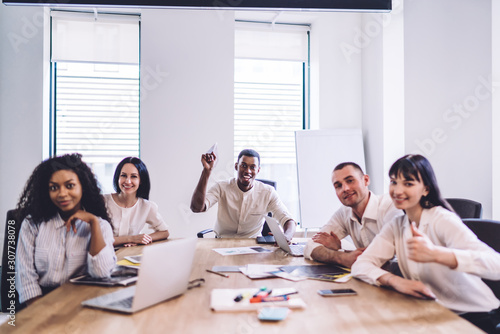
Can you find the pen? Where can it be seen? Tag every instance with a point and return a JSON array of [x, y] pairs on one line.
[[261, 290], [218, 273], [286, 294], [275, 299], [267, 293]]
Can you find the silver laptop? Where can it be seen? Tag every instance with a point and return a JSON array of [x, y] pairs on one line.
[[274, 226], [164, 274]]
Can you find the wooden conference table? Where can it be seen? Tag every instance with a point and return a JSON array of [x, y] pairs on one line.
[[374, 310]]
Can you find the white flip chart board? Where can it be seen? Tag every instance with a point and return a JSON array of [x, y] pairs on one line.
[[318, 152]]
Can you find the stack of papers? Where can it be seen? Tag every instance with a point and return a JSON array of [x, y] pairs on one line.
[[260, 270], [254, 271], [323, 272], [242, 250], [330, 273]]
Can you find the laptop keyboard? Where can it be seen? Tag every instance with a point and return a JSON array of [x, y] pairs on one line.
[[297, 249], [125, 303]]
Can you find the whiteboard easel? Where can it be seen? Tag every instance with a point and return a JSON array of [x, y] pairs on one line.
[[318, 152]]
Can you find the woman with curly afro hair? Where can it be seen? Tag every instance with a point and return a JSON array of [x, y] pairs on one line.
[[66, 230]]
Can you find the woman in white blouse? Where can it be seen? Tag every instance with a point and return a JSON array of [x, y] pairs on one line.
[[439, 257], [130, 207]]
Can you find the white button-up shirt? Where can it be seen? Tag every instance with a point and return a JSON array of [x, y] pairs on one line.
[[379, 210], [240, 214]]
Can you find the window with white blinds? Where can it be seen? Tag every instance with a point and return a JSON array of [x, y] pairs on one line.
[[268, 107], [97, 110], [95, 88], [271, 99]]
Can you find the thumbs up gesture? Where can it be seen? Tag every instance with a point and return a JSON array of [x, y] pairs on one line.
[[420, 247]]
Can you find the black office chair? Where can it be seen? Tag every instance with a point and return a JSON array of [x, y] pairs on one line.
[[466, 208], [488, 231], [265, 228], [8, 291]]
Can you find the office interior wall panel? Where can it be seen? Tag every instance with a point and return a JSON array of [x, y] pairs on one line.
[[186, 106], [448, 104], [21, 73]]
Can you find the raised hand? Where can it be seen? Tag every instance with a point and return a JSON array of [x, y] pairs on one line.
[[208, 160], [329, 240], [420, 247]]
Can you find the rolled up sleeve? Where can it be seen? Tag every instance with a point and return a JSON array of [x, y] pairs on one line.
[[333, 225], [212, 196]]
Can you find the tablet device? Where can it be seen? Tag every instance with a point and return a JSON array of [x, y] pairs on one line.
[[268, 240]]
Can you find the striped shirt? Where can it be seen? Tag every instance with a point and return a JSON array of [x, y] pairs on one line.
[[48, 256]]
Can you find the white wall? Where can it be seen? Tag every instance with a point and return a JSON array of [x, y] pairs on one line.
[[358, 82], [335, 72], [186, 106], [448, 57], [372, 48], [382, 42], [495, 124], [21, 79]]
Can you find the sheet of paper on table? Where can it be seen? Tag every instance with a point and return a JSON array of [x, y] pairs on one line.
[[241, 250], [259, 270]]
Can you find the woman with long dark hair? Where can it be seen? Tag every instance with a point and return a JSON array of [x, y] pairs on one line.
[[439, 257], [130, 206]]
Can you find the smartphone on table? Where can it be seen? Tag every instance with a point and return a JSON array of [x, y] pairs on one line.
[[337, 292]]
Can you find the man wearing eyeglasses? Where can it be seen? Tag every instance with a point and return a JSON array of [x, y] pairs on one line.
[[242, 201]]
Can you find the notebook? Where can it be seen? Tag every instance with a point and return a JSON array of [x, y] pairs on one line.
[[224, 299], [279, 236], [164, 274]]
